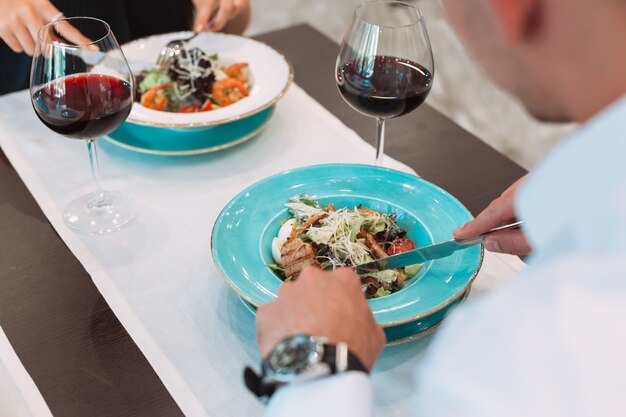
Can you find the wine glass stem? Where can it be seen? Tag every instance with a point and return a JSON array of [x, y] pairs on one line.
[[380, 140], [98, 200]]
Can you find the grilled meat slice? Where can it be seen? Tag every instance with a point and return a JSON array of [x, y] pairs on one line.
[[295, 255], [370, 242]]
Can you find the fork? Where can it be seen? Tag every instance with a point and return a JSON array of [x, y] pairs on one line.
[[173, 48]]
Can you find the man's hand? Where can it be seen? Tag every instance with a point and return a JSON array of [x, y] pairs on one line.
[[499, 212], [20, 21], [326, 304], [229, 15]]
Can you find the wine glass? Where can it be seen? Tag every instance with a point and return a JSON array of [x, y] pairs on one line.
[[84, 91], [385, 65]]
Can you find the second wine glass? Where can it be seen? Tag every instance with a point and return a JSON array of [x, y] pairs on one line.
[[385, 66]]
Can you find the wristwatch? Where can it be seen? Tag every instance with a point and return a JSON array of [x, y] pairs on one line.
[[297, 358]]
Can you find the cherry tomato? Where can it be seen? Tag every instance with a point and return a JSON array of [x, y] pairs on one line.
[[207, 106], [400, 245], [189, 109]]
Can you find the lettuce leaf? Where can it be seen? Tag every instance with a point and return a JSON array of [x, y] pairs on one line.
[[303, 206], [381, 293], [412, 270], [152, 79]]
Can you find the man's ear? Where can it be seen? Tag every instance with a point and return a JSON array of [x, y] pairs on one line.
[[517, 19]]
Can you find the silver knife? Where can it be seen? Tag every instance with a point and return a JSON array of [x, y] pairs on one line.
[[427, 253]]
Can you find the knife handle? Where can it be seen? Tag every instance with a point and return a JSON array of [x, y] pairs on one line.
[[475, 240]]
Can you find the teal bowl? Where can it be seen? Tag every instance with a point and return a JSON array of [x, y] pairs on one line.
[[189, 141], [242, 235]]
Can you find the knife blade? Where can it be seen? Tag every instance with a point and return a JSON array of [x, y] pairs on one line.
[[427, 253]]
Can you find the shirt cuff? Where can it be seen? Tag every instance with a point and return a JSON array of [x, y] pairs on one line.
[[348, 394]]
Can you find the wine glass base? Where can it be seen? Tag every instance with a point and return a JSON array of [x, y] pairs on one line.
[[100, 213]]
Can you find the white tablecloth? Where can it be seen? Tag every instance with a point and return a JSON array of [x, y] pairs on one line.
[[19, 396], [158, 276]]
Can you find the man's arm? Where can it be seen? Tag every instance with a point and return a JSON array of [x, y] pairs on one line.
[[331, 306]]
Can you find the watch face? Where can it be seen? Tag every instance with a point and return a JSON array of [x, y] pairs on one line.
[[292, 356]]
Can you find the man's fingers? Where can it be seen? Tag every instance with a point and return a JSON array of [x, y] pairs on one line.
[[499, 212], [509, 241], [285, 289], [349, 278], [496, 214]]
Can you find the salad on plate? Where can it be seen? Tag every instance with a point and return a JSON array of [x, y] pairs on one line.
[[193, 81], [331, 238]]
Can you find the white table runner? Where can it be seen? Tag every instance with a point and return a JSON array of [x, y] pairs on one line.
[[19, 396], [158, 276]]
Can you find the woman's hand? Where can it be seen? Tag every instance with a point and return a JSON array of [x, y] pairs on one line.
[[326, 304], [230, 16], [20, 21], [501, 211]]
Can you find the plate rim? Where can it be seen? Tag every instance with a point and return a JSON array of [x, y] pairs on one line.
[[433, 310], [259, 109], [430, 330]]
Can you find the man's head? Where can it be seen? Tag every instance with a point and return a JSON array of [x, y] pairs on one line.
[[564, 59]]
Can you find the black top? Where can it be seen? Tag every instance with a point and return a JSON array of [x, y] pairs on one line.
[[129, 19]]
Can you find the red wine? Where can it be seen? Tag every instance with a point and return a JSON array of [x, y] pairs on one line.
[[389, 87], [83, 106]]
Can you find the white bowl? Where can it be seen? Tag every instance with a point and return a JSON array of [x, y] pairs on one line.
[[270, 73]]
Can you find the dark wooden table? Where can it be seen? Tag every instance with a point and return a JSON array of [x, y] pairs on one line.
[[80, 356]]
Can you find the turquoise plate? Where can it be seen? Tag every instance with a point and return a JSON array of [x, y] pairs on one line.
[[242, 235], [189, 141]]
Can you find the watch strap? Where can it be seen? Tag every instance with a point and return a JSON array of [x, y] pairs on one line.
[[337, 357], [340, 359], [255, 383]]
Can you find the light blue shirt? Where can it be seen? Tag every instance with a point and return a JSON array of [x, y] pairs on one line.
[[553, 342]]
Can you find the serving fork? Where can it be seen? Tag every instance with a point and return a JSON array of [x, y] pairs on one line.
[[174, 47]]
